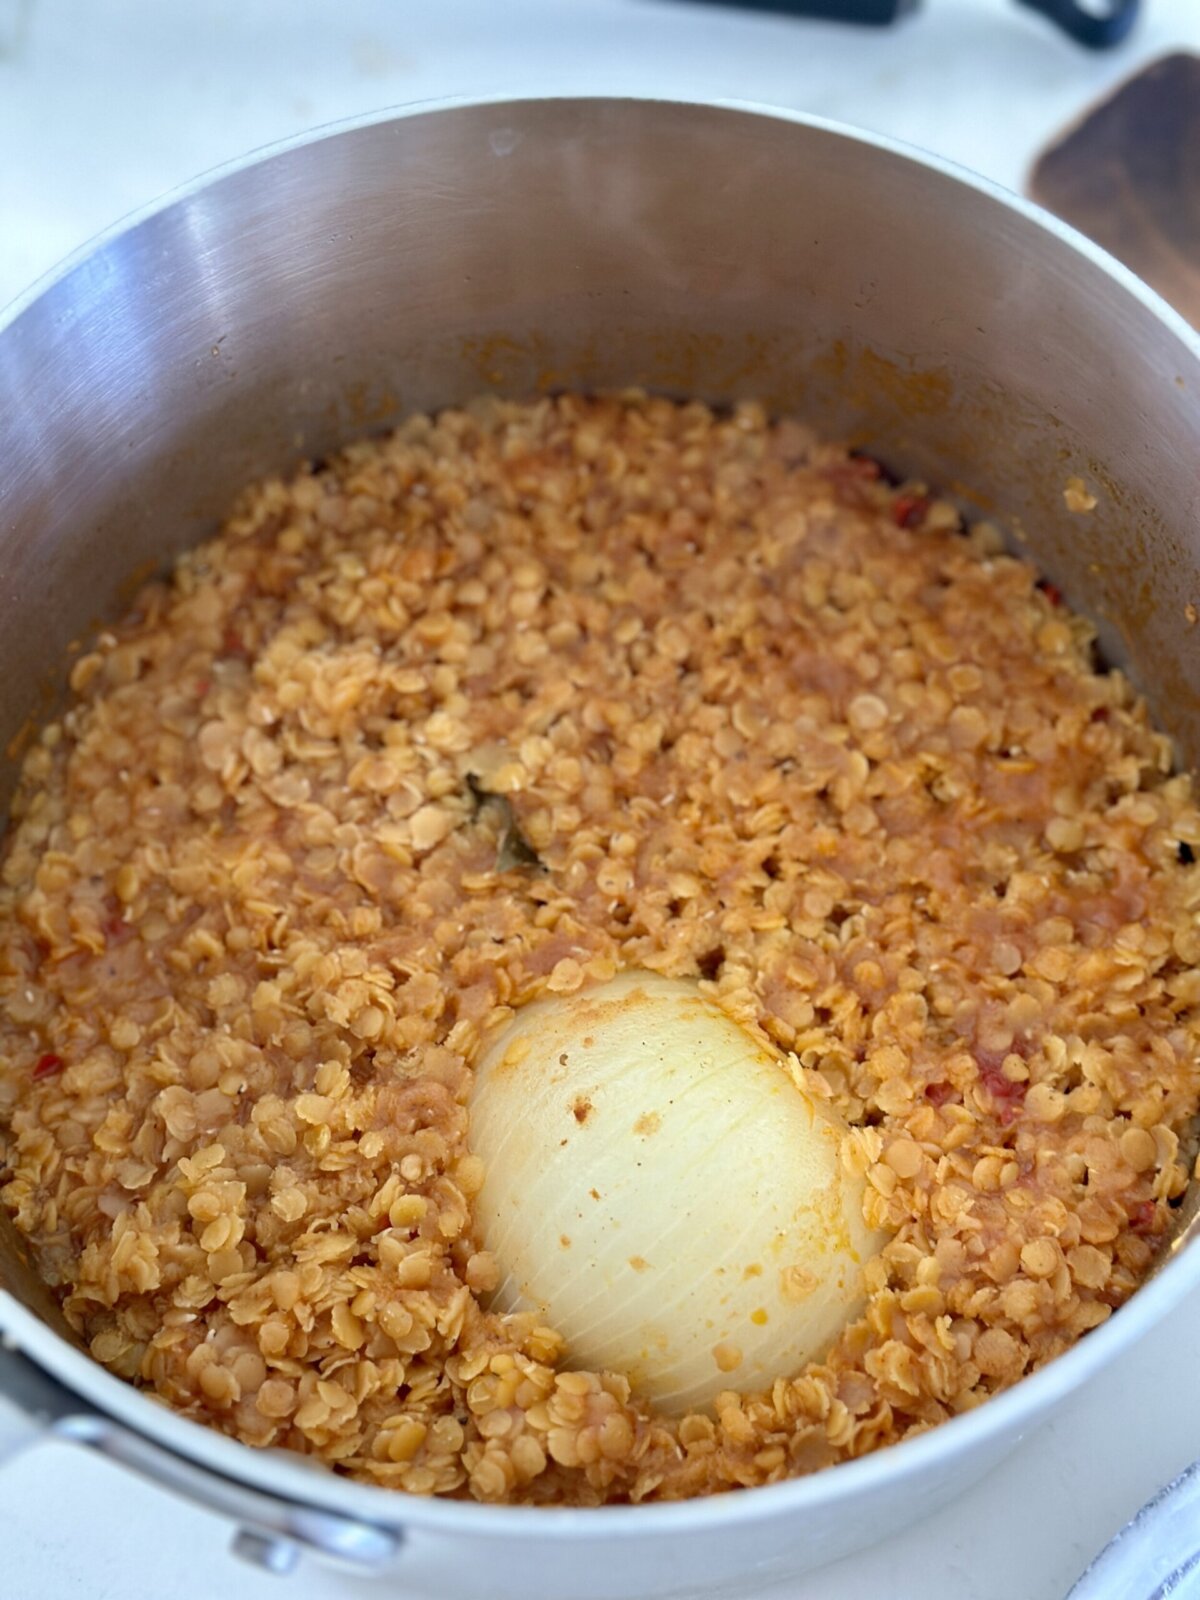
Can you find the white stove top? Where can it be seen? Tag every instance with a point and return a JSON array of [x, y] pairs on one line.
[[104, 104]]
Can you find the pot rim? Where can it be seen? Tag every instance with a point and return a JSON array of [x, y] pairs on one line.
[[284, 1472]]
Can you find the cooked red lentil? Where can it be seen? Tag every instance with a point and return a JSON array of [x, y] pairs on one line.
[[763, 719]]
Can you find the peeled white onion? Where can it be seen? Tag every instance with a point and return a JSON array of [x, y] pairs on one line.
[[659, 1189]]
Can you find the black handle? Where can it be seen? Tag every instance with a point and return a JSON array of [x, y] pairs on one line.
[[874, 12], [1096, 27]]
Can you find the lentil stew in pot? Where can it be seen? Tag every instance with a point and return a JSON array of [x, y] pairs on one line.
[[515, 700]]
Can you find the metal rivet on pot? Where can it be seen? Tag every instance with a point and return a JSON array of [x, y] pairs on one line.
[[264, 1550]]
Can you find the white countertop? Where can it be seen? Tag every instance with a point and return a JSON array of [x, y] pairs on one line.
[[105, 104]]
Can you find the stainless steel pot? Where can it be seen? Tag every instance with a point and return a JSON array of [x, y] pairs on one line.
[[298, 300]]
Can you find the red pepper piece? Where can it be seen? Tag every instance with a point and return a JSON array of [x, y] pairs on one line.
[[47, 1066], [1009, 1096], [909, 509], [938, 1093], [1051, 590], [1144, 1217]]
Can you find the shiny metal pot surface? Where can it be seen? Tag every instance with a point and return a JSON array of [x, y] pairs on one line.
[[299, 300]]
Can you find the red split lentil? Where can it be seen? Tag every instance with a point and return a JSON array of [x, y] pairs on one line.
[[755, 715]]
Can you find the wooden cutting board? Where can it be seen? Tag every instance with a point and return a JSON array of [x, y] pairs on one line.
[[1128, 175]]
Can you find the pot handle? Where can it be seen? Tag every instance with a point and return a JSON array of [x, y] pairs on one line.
[[1156, 1554], [268, 1532]]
